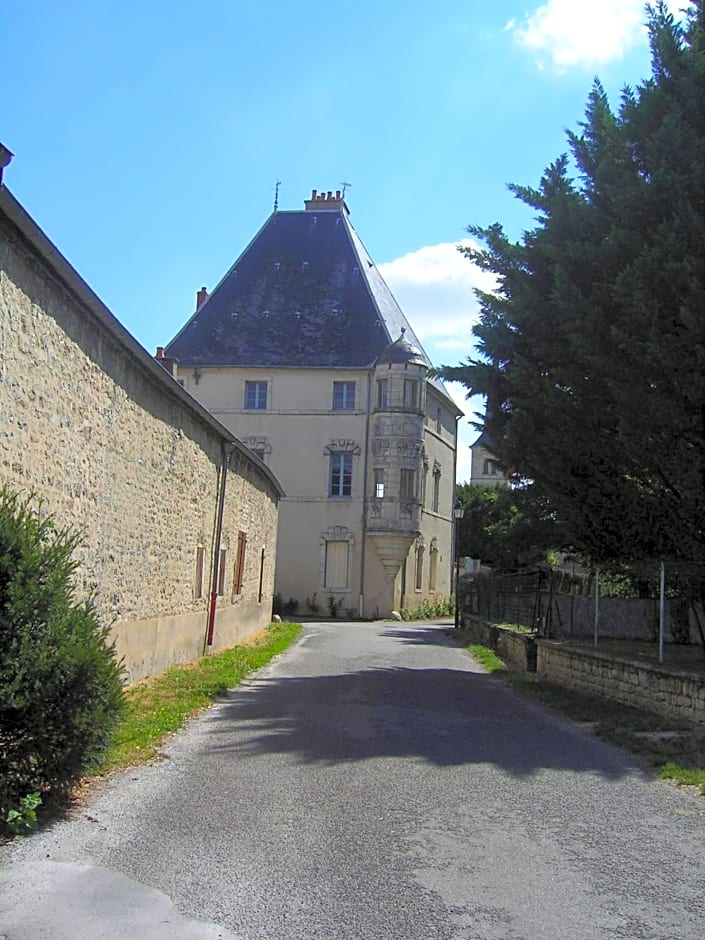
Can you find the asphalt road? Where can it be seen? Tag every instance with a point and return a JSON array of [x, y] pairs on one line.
[[371, 783]]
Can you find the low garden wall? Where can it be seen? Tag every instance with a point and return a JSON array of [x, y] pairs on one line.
[[517, 650], [679, 695]]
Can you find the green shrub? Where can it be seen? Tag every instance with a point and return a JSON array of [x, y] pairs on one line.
[[442, 607], [60, 689]]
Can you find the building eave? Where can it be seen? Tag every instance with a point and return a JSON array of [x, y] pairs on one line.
[[74, 283]]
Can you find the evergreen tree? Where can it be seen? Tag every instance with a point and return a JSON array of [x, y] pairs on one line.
[[592, 350]]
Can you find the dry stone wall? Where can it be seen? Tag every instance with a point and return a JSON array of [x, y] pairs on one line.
[[119, 453], [678, 695]]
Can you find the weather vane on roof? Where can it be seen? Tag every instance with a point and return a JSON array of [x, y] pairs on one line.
[[345, 186], [276, 195]]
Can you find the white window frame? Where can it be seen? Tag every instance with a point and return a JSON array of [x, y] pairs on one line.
[[260, 400], [340, 466], [344, 394]]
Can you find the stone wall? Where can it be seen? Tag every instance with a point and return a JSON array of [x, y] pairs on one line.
[[679, 695], [112, 445], [517, 650]]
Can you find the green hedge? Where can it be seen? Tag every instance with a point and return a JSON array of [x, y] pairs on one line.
[[60, 688]]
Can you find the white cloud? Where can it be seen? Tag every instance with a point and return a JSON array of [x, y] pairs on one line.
[[581, 33], [435, 288]]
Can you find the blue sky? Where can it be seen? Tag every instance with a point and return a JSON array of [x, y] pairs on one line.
[[148, 136]]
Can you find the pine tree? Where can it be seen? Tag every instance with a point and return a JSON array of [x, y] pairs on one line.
[[592, 350]]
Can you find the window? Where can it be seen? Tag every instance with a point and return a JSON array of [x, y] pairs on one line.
[[379, 483], [439, 420], [198, 574], [411, 393], [433, 569], [419, 568], [256, 395], [382, 393], [343, 396], [407, 484], [239, 569], [436, 489], [336, 572], [490, 468], [340, 481], [221, 571]]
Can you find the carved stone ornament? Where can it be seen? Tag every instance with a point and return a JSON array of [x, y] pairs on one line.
[[342, 446], [409, 448]]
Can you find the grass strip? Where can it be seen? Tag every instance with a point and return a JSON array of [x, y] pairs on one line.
[[160, 705], [676, 749]]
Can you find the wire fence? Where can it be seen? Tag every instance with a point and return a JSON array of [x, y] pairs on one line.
[[647, 602]]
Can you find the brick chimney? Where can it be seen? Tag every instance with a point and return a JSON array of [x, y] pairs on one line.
[[167, 362], [325, 200], [201, 297]]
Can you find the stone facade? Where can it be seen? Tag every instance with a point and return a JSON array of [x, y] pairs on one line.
[[484, 468], [114, 446], [302, 349], [298, 434]]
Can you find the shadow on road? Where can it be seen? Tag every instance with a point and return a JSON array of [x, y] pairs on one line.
[[444, 716], [431, 635]]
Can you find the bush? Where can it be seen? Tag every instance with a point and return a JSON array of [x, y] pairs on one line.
[[60, 689], [441, 607]]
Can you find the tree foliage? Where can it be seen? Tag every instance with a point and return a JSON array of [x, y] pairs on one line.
[[505, 527], [60, 688], [592, 349]]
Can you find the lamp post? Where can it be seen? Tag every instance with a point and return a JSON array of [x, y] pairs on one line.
[[458, 513]]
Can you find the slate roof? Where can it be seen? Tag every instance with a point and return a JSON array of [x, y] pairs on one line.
[[303, 293]]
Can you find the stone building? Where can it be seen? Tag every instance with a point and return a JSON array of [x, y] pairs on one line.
[[484, 466], [303, 349], [179, 518]]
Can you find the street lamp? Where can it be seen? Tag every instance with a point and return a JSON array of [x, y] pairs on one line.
[[458, 513]]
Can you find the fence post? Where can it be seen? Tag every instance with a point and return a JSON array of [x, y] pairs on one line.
[[661, 611], [597, 602]]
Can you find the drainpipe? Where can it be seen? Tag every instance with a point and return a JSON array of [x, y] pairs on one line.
[[226, 451], [364, 492]]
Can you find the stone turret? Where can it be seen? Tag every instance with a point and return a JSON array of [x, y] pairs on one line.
[[396, 452]]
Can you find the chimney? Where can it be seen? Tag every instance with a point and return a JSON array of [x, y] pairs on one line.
[[201, 297], [169, 363], [325, 199]]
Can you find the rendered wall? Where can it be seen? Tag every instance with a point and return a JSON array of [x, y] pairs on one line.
[[297, 430], [109, 449]]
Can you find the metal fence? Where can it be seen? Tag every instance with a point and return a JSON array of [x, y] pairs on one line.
[[649, 602]]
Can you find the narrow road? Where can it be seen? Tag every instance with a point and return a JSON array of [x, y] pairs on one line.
[[371, 783]]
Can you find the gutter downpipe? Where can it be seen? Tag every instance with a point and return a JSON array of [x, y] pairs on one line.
[[364, 492], [216, 547]]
